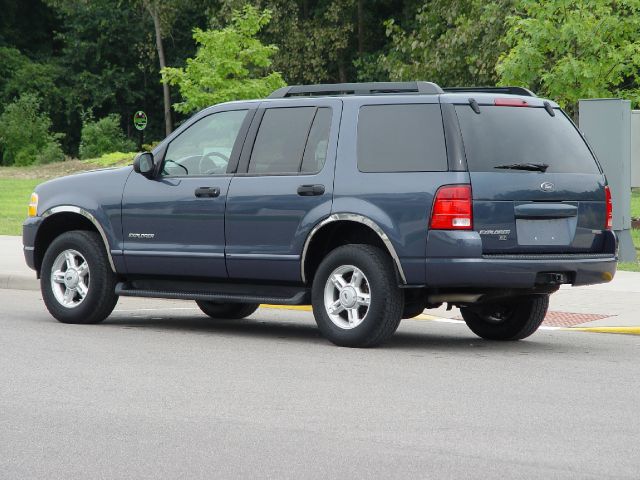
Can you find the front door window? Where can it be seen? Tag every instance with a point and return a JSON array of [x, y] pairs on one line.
[[205, 147]]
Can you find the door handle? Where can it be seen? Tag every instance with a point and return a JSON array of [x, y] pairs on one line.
[[207, 192], [310, 190]]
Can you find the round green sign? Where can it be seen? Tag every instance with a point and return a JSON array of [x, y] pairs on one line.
[[140, 120]]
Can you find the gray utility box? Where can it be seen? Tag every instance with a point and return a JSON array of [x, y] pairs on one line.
[[635, 148], [606, 123]]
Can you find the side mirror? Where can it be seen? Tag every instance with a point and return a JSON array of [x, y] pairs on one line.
[[143, 164]]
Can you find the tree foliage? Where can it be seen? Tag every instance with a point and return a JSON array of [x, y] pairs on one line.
[[231, 64], [102, 56], [25, 136], [103, 136], [570, 50], [451, 42]]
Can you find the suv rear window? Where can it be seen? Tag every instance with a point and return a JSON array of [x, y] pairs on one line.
[[401, 138], [508, 135]]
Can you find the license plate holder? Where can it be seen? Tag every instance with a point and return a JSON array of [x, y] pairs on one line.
[[548, 231]]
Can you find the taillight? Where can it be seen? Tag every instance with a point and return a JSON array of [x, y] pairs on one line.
[[452, 209], [607, 194], [510, 102]]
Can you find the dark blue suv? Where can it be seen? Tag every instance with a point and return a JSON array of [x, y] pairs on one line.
[[371, 202]]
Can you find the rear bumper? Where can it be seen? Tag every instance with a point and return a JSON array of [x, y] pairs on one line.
[[512, 273], [456, 260]]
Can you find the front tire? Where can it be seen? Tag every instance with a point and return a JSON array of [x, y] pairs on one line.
[[227, 311], [509, 320], [77, 283], [355, 295]]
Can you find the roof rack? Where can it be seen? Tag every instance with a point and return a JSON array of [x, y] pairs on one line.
[[371, 88], [506, 90]]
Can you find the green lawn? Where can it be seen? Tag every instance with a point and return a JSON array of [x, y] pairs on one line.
[[17, 183], [635, 203], [14, 199], [633, 266]]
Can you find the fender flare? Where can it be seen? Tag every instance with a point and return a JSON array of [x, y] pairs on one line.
[[352, 217], [88, 216]]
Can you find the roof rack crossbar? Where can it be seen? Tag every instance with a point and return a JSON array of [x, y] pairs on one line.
[[371, 88], [506, 90]]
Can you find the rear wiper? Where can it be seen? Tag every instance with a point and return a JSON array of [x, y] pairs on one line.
[[532, 167]]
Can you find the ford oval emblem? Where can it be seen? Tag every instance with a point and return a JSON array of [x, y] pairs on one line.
[[547, 187]]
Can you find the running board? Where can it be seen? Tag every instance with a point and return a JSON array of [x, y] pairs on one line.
[[293, 297]]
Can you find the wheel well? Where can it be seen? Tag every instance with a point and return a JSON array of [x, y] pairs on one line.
[[54, 226], [334, 235]]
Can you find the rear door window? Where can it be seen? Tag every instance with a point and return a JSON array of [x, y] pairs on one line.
[[508, 135], [291, 140], [401, 138], [315, 152]]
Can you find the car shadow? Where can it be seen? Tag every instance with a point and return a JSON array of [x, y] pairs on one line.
[[454, 338]]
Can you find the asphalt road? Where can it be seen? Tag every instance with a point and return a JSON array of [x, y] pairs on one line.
[[167, 393]]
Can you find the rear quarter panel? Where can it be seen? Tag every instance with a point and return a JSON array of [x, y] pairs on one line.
[[399, 203]]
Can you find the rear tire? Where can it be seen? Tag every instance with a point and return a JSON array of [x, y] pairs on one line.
[[227, 311], [413, 309], [355, 295], [509, 320], [76, 280]]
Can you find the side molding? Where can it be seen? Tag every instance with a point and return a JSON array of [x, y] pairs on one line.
[[88, 216], [353, 218]]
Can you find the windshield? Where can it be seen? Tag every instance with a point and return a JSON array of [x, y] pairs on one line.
[[500, 136]]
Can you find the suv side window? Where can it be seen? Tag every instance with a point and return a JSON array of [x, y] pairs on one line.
[[315, 153], [291, 140], [401, 138], [205, 147]]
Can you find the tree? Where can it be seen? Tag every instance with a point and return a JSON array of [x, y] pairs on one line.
[[319, 40], [571, 50], [103, 136], [230, 64], [451, 42], [25, 136], [161, 12]]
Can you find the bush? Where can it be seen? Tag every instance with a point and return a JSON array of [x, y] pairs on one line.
[[25, 138], [103, 136]]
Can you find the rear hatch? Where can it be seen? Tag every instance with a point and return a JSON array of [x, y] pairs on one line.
[[537, 187]]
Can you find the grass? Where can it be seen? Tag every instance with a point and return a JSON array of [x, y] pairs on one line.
[[635, 203], [633, 266], [14, 198], [17, 183]]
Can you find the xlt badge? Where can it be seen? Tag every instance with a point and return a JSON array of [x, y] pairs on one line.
[[502, 234]]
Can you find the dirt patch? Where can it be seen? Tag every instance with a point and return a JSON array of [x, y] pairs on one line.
[[53, 170]]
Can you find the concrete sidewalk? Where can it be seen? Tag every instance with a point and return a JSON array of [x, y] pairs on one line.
[[14, 272], [613, 304]]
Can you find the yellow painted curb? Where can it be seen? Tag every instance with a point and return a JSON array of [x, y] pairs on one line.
[[620, 330], [422, 316], [303, 308], [307, 308]]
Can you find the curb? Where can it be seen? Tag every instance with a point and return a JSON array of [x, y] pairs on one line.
[[18, 282], [433, 318]]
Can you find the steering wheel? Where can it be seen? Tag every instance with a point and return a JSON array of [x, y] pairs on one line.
[[218, 166]]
